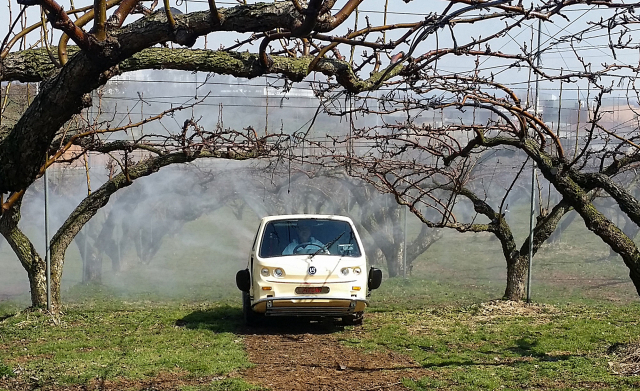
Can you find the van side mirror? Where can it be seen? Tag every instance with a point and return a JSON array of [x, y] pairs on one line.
[[243, 280], [375, 278]]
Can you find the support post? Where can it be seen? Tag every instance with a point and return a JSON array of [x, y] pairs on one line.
[[46, 237]]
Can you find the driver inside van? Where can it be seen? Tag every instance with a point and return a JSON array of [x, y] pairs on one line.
[[305, 244]]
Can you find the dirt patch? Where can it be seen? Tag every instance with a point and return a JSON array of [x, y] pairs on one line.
[[502, 308], [626, 359], [295, 358]]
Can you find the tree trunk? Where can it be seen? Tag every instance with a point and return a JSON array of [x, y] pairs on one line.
[[91, 257], [557, 234], [92, 271], [394, 258], [518, 261], [598, 223], [517, 268], [31, 261]]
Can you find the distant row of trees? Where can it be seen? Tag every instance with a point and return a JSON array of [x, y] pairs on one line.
[[136, 221]]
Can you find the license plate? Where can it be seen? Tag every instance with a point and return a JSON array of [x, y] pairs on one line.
[[310, 290]]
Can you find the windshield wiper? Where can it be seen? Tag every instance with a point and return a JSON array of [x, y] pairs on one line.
[[326, 246]]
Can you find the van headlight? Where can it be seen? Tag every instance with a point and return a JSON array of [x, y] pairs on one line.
[[344, 271], [278, 272], [357, 270], [264, 272]]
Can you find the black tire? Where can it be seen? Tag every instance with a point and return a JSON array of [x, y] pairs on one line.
[[251, 318], [353, 320]]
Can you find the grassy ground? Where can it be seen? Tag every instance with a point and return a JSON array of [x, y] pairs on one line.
[[499, 345], [121, 342], [180, 318], [491, 345]]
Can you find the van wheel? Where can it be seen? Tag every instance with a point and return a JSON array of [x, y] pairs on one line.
[[353, 320], [251, 318]]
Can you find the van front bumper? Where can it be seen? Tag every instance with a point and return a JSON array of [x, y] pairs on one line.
[[309, 306]]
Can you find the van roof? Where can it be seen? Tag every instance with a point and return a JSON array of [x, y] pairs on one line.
[[306, 216]]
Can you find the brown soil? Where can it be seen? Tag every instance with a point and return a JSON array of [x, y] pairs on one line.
[[626, 359], [299, 357]]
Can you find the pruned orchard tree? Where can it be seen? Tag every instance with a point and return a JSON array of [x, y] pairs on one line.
[[385, 222], [438, 128]]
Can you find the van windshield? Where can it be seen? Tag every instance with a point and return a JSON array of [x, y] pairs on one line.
[[309, 236]]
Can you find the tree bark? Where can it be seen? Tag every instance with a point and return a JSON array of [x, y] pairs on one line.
[[31, 261], [598, 223], [517, 272]]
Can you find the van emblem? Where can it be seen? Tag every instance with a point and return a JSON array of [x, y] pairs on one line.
[[312, 270]]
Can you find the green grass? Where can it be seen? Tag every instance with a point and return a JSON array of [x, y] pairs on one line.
[[180, 317], [123, 341], [227, 385], [494, 345], [478, 348], [5, 371]]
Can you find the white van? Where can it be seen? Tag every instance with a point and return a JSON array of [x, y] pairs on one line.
[[307, 265]]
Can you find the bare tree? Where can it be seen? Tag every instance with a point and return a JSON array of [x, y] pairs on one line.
[[437, 128]]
